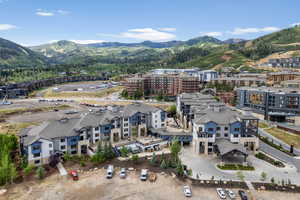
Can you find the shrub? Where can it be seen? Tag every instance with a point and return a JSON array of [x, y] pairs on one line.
[[40, 172], [124, 152], [163, 164], [135, 158], [27, 170]]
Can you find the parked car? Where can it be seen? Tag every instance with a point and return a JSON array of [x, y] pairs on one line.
[[243, 195], [187, 191], [123, 173], [221, 193], [144, 174], [74, 175], [110, 171], [230, 193]]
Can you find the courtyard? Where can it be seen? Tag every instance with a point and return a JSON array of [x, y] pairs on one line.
[[205, 167]]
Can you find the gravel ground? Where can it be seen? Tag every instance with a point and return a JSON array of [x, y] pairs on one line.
[[94, 185]]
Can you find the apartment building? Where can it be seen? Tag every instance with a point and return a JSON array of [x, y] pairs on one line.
[[240, 81], [293, 62], [215, 126], [168, 85], [275, 103], [75, 135], [276, 78]]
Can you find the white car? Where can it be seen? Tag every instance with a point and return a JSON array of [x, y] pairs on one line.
[[230, 193], [123, 173], [187, 191], [221, 193]]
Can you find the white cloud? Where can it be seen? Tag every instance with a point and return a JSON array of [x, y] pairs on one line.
[[296, 24], [167, 29], [241, 31], [44, 14], [87, 41], [5, 27], [147, 34], [63, 12], [212, 34]]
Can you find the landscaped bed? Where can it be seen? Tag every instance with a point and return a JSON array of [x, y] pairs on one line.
[[268, 159], [278, 147], [286, 187], [235, 167]]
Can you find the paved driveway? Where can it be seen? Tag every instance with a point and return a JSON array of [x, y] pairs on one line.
[[205, 167]]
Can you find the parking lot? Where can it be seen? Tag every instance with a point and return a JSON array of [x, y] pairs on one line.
[[94, 185], [94, 86]]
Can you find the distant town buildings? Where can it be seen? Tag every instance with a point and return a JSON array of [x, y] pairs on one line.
[[275, 103], [240, 81], [293, 62], [276, 78]]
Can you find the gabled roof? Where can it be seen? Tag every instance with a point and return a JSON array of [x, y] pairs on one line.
[[225, 147]]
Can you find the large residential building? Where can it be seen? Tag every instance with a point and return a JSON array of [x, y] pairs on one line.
[[168, 85], [175, 71], [77, 134], [275, 103], [240, 81], [215, 126], [283, 62], [276, 78]]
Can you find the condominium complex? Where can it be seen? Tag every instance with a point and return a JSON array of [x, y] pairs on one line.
[[275, 103], [215, 126], [78, 134], [168, 85], [240, 81], [276, 78], [283, 62]]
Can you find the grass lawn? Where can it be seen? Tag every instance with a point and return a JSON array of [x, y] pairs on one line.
[[14, 128], [287, 137], [262, 125], [99, 94], [7, 112]]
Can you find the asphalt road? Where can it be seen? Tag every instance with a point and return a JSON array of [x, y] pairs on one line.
[[278, 141], [279, 155]]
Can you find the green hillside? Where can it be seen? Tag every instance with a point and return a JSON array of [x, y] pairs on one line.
[[14, 55]]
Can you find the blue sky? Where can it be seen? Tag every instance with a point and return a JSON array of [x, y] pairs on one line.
[[32, 22]]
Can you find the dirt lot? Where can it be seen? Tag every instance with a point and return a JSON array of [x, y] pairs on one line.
[[94, 185]]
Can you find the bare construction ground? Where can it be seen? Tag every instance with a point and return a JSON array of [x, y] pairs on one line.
[[93, 185]]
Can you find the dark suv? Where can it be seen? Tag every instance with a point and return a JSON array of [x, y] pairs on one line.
[[243, 195]]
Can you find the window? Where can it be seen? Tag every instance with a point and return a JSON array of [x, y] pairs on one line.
[[200, 129], [97, 135], [226, 135], [63, 147], [210, 129], [236, 129], [126, 119], [36, 155], [37, 161], [62, 140], [235, 135], [73, 152], [73, 146], [210, 144], [162, 124], [50, 152], [218, 135], [50, 145], [126, 124], [97, 129], [81, 137], [226, 128], [96, 140], [218, 128], [125, 129]]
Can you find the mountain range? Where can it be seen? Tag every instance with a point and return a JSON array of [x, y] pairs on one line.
[[202, 52]]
